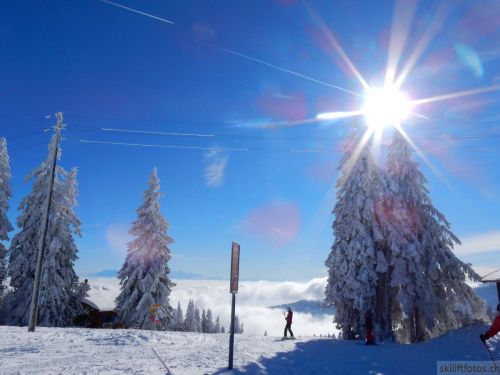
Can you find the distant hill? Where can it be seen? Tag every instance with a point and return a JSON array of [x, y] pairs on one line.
[[307, 307], [104, 273], [487, 292]]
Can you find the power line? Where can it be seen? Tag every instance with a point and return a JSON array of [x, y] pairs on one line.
[[260, 137], [202, 136], [262, 125], [203, 148], [243, 124], [263, 149], [162, 146]]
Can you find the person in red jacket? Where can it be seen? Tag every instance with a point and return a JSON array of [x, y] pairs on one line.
[[288, 319], [370, 339], [494, 329]]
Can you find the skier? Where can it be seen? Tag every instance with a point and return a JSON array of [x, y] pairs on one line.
[[369, 328], [494, 329], [288, 319]]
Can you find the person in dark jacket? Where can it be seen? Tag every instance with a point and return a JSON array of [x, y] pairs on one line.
[[288, 319], [494, 329], [370, 339]]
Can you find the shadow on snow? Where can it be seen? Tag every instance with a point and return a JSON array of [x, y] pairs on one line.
[[339, 357]]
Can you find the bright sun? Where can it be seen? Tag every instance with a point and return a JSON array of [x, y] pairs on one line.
[[385, 107]]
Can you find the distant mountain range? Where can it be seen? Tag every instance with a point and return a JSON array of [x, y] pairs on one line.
[[487, 292], [307, 307]]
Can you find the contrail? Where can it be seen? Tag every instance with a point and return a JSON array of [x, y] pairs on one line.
[[335, 43], [137, 11], [249, 58], [157, 133], [164, 146]]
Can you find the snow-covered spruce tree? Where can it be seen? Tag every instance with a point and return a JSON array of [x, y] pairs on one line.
[[177, 323], [198, 320], [203, 321], [82, 290], [238, 326], [217, 325], [432, 294], [209, 323], [190, 323], [357, 259], [144, 275], [59, 302], [57, 305], [5, 226]]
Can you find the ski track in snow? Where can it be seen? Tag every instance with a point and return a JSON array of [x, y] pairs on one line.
[[89, 351]]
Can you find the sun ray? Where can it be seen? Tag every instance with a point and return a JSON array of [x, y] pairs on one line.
[[335, 43], [424, 41], [455, 95], [401, 22], [424, 158], [289, 124], [338, 115]]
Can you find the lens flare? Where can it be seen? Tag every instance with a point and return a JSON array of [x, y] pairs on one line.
[[385, 107]]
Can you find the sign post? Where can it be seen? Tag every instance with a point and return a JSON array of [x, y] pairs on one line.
[[233, 289]]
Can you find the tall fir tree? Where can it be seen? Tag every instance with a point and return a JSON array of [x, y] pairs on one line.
[[58, 302], [203, 321], [217, 325], [144, 276], [190, 323], [357, 258], [209, 323], [198, 320], [177, 323], [5, 225], [431, 293], [236, 325]]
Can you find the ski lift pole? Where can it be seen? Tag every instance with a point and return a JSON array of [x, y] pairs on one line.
[[233, 289], [44, 227]]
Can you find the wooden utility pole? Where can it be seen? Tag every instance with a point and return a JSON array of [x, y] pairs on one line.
[[45, 225]]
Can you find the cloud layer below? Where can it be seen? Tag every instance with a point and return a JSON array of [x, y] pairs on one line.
[[252, 302]]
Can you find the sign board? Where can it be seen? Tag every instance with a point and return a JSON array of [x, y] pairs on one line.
[[235, 267]]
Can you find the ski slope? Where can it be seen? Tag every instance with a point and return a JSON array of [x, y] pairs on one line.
[[87, 351]]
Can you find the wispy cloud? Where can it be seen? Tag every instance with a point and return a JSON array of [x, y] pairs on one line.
[[275, 222], [479, 243], [117, 237], [216, 166]]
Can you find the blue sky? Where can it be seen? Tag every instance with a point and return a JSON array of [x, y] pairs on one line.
[[108, 67]]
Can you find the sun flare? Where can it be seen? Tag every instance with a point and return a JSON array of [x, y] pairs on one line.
[[385, 107]]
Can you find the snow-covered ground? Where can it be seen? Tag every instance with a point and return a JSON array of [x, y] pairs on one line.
[[87, 351]]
